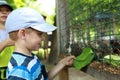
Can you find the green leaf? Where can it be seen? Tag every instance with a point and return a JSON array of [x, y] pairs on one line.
[[84, 58], [114, 60]]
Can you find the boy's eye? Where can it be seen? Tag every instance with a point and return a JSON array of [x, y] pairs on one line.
[[40, 34]]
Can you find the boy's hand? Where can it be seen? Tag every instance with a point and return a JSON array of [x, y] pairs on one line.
[[68, 61]]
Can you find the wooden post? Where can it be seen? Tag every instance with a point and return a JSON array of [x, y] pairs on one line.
[[63, 75]]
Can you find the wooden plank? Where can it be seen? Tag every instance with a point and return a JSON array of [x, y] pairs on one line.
[[63, 75]]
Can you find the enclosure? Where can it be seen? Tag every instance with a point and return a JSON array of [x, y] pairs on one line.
[[94, 24]]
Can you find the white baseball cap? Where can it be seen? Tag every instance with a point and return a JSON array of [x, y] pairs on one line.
[[27, 17]]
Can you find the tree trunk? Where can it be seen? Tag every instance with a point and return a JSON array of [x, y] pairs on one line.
[[53, 52]]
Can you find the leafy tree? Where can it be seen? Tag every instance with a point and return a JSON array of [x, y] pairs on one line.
[[94, 15]]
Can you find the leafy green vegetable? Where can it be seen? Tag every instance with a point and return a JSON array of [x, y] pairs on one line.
[[112, 59], [84, 58]]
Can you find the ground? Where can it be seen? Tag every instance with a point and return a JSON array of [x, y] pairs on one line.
[[105, 67]]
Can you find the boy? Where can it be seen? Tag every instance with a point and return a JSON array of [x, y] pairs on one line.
[[27, 31], [5, 43]]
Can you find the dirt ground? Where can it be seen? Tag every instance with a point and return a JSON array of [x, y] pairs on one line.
[[105, 67]]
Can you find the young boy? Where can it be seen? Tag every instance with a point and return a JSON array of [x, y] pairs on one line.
[[26, 26], [5, 43]]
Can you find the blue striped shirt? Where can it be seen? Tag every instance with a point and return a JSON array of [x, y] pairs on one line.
[[22, 67]]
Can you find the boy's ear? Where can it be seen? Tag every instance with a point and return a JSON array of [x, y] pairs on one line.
[[21, 33]]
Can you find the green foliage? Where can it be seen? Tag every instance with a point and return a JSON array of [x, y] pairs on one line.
[[114, 60], [81, 10], [84, 58], [93, 19], [33, 4]]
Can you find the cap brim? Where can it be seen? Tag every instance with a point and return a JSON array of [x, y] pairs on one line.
[[45, 27], [7, 5]]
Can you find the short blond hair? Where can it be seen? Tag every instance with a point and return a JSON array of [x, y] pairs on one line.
[[13, 35]]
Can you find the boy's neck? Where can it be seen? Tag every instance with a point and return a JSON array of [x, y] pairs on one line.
[[2, 26], [22, 50]]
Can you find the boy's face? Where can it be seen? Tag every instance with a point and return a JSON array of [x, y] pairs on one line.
[[33, 40], [4, 12]]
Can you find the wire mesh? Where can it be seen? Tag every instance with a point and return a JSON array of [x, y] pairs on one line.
[[92, 23]]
